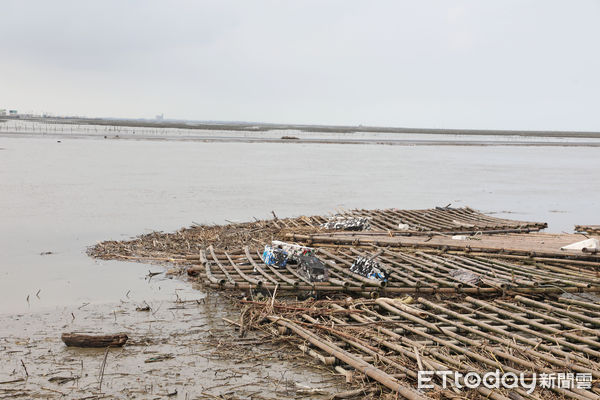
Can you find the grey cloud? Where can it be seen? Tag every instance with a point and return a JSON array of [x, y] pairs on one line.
[[472, 64]]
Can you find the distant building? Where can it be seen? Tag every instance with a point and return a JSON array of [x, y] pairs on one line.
[[2, 112], [12, 112], [160, 117]]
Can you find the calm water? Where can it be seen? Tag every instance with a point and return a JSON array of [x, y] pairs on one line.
[[63, 197]]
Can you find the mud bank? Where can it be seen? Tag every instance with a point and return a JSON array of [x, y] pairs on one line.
[[177, 350]]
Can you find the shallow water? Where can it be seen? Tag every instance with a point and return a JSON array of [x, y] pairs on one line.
[[62, 197], [176, 350]]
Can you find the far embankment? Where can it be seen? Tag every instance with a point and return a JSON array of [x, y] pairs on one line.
[[263, 126], [76, 128]]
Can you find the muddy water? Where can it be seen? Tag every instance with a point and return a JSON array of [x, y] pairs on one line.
[[176, 350], [58, 198], [62, 197]]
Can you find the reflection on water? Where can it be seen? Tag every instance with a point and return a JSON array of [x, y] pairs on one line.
[[63, 197]]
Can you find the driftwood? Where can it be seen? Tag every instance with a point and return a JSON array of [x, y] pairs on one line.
[[83, 340]]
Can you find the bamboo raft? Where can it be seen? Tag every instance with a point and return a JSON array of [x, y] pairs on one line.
[[463, 220], [443, 219], [487, 299], [414, 272], [531, 245], [176, 246], [389, 340], [589, 229]]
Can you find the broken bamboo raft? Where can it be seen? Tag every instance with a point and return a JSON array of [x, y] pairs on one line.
[[177, 246], [531, 245], [390, 340], [499, 295], [589, 229], [442, 219], [414, 272]]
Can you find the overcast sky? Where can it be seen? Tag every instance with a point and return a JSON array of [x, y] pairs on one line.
[[444, 64]]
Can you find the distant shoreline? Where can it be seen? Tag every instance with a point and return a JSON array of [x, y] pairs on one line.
[[262, 127], [212, 139]]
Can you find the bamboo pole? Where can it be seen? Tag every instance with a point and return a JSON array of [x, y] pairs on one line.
[[552, 338], [593, 369], [360, 365], [580, 317]]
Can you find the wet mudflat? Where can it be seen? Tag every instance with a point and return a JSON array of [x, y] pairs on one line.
[[176, 349]]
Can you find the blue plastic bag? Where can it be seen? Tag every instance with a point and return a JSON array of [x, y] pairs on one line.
[[275, 256]]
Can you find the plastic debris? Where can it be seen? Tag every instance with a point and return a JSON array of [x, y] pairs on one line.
[[308, 265], [369, 268], [460, 237], [403, 227], [588, 244], [347, 223], [311, 268], [275, 256], [465, 276], [293, 250]]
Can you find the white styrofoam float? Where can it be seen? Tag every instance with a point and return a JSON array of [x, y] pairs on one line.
[[588, 244]]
